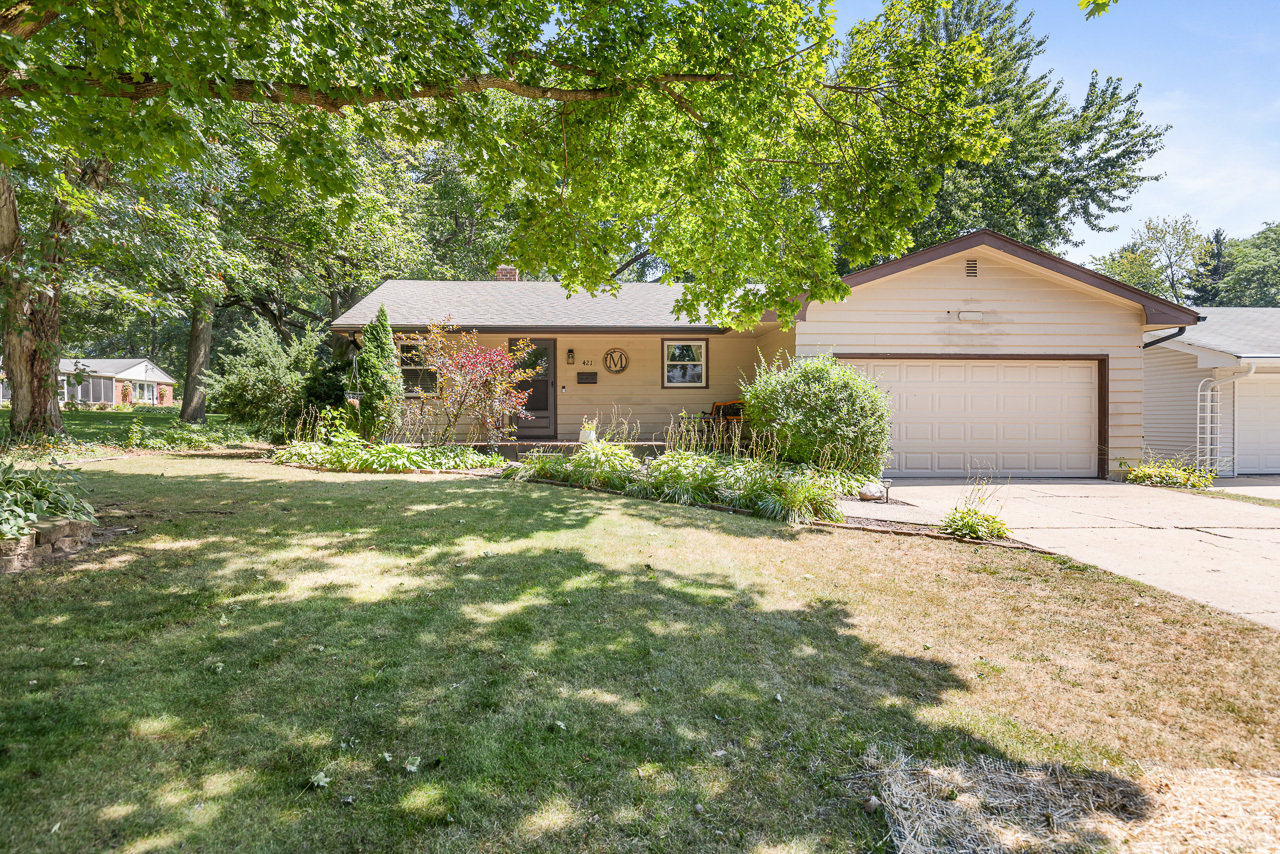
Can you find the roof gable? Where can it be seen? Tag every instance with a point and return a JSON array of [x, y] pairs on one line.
[[130, 369], [1157, 311]]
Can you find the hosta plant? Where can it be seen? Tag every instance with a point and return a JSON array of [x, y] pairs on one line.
[[32, 493], [973, 523]]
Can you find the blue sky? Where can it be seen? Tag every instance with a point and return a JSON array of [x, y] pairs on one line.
[[1209, 68]]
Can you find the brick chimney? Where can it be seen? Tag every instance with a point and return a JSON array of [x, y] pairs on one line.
[[507, 273]]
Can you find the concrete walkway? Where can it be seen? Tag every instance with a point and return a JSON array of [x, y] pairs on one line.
[[1220, 552], [1255, 485]]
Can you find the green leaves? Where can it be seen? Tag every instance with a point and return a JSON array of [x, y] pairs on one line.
[[1094, 8], [1061, 165], [1254, 277], [716, 134]]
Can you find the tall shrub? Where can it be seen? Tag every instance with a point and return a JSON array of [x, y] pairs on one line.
[[471, 381], [378, 367], [260, 383], [821, 412]]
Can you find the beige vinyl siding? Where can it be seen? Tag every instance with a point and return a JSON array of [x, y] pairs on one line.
[[1170, 384], [637, 394], [773, 343], [1025, 311]]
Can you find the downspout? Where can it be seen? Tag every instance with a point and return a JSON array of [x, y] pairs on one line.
[[1180, 331], [1217, 384]]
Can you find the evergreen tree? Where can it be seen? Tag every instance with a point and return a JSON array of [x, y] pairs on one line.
[[378, 367], [1206, 282]]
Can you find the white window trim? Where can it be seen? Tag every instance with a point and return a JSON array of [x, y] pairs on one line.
[[704, 343]]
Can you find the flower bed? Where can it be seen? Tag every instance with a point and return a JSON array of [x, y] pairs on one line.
[[761, 488], [359, 456]]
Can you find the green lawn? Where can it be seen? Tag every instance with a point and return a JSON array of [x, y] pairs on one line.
[[572, 671], [95, 426]]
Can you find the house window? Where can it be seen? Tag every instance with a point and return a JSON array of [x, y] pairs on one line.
[[684, 363], [144, 392], [418, 380]]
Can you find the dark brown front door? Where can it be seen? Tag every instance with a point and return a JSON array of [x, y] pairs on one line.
[[542, 399]]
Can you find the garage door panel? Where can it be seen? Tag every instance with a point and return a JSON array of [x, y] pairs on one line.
[[955, 417], [1081, 374], [1015, 402], [1084, 403], [1015, 432], [951, 432], [1258, 425], [983, 432], [918, 372], [1079, 461], [1047, 403], [917, 431], [1015, 463]]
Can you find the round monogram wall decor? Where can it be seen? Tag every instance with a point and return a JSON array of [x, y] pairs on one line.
[[615, 361]]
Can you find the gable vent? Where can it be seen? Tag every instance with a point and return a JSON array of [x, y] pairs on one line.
[[971, 268]]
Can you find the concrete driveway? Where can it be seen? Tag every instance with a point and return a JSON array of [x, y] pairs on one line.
[[1255, 485], [1217, 551]]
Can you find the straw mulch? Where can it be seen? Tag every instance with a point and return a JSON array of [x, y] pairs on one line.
[[990, 805]]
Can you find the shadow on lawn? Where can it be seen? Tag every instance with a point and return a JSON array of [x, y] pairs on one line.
[[556, 694]]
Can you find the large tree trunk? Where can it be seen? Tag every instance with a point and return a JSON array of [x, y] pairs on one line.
[[32, 325], [30, 320], [199, 346], [17, 306]]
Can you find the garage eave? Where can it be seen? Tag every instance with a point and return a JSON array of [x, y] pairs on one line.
[[1158, 313]]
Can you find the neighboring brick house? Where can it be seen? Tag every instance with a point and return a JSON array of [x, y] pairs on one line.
[[103, 381]]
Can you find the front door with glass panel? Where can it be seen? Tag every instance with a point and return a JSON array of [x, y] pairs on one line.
[[542, 397]]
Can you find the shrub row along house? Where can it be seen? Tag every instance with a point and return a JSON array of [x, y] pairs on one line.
[[103, 381], [998, 357]]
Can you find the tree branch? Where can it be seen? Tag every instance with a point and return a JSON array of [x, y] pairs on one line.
[[140, 87], [639, 256], [18, 21]]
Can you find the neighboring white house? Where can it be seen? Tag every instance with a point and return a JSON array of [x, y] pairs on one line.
[[103, 381], [1213, 393]]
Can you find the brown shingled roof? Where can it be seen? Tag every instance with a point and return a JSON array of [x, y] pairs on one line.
[[521, 307]]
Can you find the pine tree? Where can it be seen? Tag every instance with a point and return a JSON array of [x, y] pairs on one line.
[[382, 404], [1206, 282]]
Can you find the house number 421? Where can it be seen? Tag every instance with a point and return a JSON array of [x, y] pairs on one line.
[[587, 362]]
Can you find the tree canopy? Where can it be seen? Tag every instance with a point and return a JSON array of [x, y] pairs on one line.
[[1163, 258], [716, 134], [1253, 270], [724, 137], [1064, 166]]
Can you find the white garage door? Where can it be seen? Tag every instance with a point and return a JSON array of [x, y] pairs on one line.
[[1258, 426], [953, 418]]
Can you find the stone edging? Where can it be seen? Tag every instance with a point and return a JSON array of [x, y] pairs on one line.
[[53, 539]]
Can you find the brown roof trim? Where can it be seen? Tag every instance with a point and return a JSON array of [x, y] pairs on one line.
[[530, 331], [1158, 310]]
